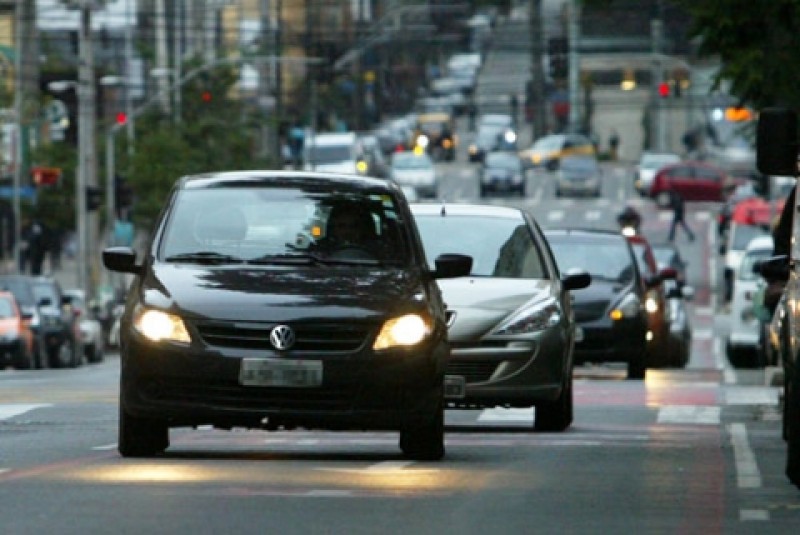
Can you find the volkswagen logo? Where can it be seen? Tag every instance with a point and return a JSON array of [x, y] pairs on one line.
[[282, 337]]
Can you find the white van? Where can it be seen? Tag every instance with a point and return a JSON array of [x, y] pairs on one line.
[[745, 327], [332, 152]]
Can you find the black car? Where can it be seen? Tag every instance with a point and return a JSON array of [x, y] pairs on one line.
[[502, 172], [279, 300], [611, 312], [53, 323]]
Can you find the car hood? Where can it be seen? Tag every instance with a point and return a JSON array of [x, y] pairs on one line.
[[281, 293], [595, 300], [345, 166], [481, 303]]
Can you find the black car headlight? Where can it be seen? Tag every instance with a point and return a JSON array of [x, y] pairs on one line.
[[157, 325], [628, 307], [535, 318], [407, 330]]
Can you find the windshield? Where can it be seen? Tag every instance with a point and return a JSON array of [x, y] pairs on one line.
[[742, 234], [6, 308], [43, 290], [749, 260], [499, 247], [409, 160], [610, 261], [501, 160], [322, 154], [579, 165], [254, 224]]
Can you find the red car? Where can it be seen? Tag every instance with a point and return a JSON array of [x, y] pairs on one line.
[[693, 181]]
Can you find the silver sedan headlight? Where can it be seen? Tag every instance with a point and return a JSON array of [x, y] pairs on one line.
[[535, 318]]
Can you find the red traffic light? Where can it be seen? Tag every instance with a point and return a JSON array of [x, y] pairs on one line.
[[663, 89], [122, 117], [45, 176], [206, 96]]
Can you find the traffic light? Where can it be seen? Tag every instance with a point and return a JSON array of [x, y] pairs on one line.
[[206, 96], [94, 198], [663, 90], [45, 176], [121, 118], [123, 193], [558, 53]]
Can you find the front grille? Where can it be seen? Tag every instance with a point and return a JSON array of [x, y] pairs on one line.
[[309, 338], [246, 398], [473, 371], [590, 311]]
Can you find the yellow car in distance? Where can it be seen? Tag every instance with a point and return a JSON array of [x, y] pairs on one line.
[[547, 151]]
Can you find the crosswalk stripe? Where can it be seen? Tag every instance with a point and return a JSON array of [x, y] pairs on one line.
[[689, 414], [506, 415], [15, 409]]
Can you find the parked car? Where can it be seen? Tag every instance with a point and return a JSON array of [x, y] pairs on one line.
[[92, 336], [579, 175], [743, 345], [510, 321], [414, 169], [649, 164], [502, 172], [693, 181], [548, 151], [611, 312], [278, 299], [16, 335], [739, 237], [22, 289], [655, 304]]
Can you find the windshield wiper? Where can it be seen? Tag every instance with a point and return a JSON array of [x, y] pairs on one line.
[[308, 258], [204, 257]]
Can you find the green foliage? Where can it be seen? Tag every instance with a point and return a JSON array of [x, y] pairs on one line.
[[757, 43]]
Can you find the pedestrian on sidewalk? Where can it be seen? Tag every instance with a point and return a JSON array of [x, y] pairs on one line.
[[678, 214]]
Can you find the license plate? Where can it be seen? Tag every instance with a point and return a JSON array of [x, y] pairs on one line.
[[578, 334], [455, 387], [274, 372]]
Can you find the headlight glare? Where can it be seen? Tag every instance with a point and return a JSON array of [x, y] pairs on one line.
[[158, 325], [651, 305], [406, 330]]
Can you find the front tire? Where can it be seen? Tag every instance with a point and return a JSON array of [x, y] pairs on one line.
[[423, 438], [63, 356], [24, 359], [556, 415], [141, 437]]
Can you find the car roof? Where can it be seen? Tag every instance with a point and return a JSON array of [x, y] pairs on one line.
[[285, 178], [587, 233], [484, 210], [333, 138]]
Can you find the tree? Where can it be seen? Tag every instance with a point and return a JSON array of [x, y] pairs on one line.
[[757, 44]]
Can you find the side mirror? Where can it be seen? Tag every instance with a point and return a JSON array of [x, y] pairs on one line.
[[773, 268], [575, 280], [450, 266], [121, 259], [26, 315]]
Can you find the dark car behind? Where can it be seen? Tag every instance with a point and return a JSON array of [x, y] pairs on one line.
[[610, 312]]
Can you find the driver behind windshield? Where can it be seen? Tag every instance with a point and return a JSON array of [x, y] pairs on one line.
[[349, 226]]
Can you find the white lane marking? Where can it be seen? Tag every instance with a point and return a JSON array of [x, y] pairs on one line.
[[688, 414], [507, 415], [15, 409], [703, 311], [747, 474], [4, 470], [702, 334], [593, 215], [555, 215], [702, 216], [751, 395], [746, 515], [466, 173], [664, 216], [105, 447]]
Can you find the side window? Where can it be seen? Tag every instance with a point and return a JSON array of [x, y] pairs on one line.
[[707, 175]]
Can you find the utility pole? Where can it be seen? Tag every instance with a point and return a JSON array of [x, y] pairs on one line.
[[537, 89], [87, 162], [278, 76], [129, 121], [656, 75], [574, 31], [263, 76], [162, 63]]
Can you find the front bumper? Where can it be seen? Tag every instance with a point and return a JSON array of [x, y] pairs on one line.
[[201, 386], [605, 340]]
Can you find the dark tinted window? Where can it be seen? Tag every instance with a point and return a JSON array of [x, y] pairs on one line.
[[604, 259]]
